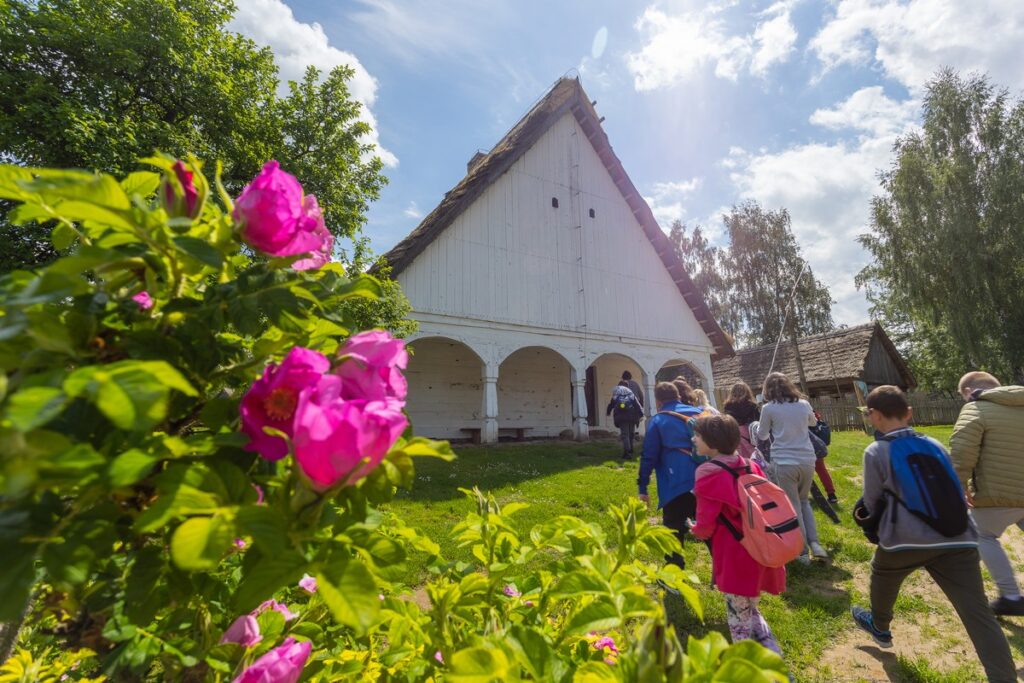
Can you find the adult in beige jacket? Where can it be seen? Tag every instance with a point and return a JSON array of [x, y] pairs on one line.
[[987, 448]]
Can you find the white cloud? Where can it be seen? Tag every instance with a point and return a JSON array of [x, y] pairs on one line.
[[910, 41], [868, 110], [775, 39], [297, 45], [667, 200], [413, 211], [678, 45]]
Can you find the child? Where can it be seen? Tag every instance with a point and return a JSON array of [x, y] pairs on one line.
[[907, 542], [734, 572]]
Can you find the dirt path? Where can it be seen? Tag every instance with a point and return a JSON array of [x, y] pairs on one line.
[[930, 631]]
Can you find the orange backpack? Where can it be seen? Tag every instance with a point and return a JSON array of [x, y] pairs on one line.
[[771, 531]]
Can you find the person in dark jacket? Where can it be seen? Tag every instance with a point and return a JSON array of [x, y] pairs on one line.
[[626, 411], [741, 405], [668, 453], [637, 390]]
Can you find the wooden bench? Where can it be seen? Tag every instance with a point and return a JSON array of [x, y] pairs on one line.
[[519, 432]]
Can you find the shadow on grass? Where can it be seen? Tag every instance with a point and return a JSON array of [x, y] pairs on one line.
[[506, 465], [817, 586]]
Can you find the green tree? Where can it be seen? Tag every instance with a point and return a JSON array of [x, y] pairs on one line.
[[705, 264], [761, 267], [946, 233]]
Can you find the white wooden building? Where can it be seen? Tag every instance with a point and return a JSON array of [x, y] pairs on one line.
[[538, 280]]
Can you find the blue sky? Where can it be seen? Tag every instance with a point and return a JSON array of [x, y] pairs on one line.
[[794, 103]]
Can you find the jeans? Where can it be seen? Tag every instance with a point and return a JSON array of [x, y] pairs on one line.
[[991, 523], [796, 481]]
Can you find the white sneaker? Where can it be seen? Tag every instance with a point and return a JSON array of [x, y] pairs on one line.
[[817, 552], [803, 559]]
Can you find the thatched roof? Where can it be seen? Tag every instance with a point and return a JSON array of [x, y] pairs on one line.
[[838, 355], [567, 95]]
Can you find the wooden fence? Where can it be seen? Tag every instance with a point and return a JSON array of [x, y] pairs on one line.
[[928, 410]]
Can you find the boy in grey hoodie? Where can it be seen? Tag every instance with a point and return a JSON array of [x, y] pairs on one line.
[[907, 543]]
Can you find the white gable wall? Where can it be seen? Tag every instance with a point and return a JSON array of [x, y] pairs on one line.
[[512, 258]]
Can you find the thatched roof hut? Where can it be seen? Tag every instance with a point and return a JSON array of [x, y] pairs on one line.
[[832, 362]]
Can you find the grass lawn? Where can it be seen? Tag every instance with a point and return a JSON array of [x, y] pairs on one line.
[[811, 620]]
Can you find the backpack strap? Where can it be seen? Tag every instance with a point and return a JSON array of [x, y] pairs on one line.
[[735, 472]]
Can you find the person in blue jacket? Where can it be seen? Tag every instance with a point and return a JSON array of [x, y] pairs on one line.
[[669, 453]]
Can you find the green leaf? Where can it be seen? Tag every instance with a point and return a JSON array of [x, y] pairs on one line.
[[17, 571], [742, 671], [143, 183], [578, 583], [144, 585], [266, 526], [532, 650], [132, 394], [597, 616], [478, 665], [704, 653], [595, 672], [63, 236], [350, 593], [130, 467], [182, 500], [35, 406], [201, 250], [266, 576], [200, 542], [756, 654]]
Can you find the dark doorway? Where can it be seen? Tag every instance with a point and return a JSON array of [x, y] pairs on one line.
[[588, 389]]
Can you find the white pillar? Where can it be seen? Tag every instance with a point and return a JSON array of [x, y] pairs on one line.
[[649, 381], [489, 431], [580, 427]]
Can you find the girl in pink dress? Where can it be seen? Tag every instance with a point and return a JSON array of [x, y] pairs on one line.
[[734, 572]]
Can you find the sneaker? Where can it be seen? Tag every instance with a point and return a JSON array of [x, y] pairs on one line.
[[803, 559], [833, 498], [1006, 607], [862, 617], [817, 552]]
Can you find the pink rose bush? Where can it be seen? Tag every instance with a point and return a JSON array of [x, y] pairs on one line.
[[276, 218], [283, 664], [341, 424]]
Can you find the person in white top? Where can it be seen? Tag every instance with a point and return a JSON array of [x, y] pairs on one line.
[[785, 418]]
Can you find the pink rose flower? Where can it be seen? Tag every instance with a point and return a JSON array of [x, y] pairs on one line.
[[245, 631], [372, 366], [144, 300], [439, 657], [511, 592], [332, 436], [273, 398], [277, 607], [606, 642], [183, 202], [321, 254], [308, 583], [283, 664], [277, 219], [240, 543]]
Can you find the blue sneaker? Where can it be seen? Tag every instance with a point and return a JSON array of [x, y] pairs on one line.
[[863, 618]]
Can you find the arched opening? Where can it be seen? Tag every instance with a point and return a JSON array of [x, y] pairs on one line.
[[602, 376], [534, 392], [676, 367], [445, 387]]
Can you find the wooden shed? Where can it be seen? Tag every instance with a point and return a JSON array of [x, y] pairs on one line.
[[832, 363], [541, 277]]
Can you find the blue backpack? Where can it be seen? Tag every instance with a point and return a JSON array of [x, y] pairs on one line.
[[929, 486]]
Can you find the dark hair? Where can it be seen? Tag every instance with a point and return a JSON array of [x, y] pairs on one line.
[[623, 383], [720, 432], [890, 401], [779, 388], [685, 391], [626, 374], [665, 392]]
